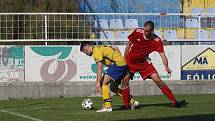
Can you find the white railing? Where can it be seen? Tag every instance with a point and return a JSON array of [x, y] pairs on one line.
[[103, 26]]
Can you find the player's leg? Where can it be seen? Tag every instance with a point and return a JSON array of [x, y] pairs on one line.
[[106, 92], [117, 74], [126, 91], [124, 77], [150, 71], [166, 91], [128, 100], [113, 86], [106, 95], [164, 88]]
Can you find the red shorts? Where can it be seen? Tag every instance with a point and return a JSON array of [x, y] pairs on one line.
[[145, 68]]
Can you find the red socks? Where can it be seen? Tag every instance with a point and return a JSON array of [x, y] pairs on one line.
[[166, 91], [125, 96]]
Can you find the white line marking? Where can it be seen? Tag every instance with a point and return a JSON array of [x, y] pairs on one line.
[[21, 115]]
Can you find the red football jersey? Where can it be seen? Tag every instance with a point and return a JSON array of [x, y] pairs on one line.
[[141, 47]]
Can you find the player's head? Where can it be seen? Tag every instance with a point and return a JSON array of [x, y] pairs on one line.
[[86, 47], [148, 27]]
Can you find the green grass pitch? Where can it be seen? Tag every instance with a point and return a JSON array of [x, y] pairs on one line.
[[154, 108]]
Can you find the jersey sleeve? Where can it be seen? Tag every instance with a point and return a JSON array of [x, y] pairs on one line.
[[160, 48], [97, 55], [133, 36]]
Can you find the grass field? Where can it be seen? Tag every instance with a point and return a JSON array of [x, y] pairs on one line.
[[154, 108]]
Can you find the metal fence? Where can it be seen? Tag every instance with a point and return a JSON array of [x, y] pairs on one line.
[[103, 26]]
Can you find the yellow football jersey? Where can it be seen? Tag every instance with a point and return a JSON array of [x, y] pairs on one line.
[[108, 55]]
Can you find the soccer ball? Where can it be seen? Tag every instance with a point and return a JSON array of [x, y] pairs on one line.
[[87, 104]]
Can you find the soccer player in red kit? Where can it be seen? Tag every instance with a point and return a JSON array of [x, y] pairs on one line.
[[141, 43]]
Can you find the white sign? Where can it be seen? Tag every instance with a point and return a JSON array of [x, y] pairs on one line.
[[67, 63], [51, 63]]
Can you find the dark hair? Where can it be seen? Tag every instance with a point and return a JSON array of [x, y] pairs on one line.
[[149, 23], [85, 43]]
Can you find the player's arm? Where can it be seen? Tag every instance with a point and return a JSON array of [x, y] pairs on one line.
[[165, 62], [99, 76], [97, 55], [127, 48], [160, 50]]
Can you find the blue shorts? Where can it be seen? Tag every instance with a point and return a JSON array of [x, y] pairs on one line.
[[117, 73]]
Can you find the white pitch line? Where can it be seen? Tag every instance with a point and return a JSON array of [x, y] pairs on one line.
[[21, 115]]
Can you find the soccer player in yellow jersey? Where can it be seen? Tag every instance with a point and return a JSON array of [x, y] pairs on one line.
[[116, 73]]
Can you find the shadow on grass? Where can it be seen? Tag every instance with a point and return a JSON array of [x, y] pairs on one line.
[[201, 117], [118, 107]]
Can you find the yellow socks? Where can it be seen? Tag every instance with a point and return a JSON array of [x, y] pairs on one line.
[[106, 96]]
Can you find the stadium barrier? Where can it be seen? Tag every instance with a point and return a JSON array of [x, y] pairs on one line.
[[53, 71], [67, 63], [103, 26]]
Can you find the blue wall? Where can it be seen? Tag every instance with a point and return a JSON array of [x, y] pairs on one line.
[[136, 6]]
